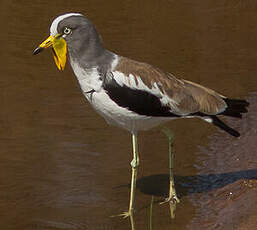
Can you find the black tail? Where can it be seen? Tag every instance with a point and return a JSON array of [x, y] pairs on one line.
[[235, 107], [217, 122]]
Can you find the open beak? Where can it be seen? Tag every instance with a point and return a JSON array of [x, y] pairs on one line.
[[59, 49]]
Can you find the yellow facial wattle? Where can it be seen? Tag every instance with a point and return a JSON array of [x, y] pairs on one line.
[[60, 52], [59, 49]]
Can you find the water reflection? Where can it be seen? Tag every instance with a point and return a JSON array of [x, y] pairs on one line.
[[158, 185]]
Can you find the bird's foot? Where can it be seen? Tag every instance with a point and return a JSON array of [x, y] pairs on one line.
[[124, 215], [173, 199]]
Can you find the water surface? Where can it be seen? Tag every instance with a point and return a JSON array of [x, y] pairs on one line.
[[63, 167]]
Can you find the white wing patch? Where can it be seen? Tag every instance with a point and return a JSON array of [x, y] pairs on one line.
[[53, 27], [135, 82]]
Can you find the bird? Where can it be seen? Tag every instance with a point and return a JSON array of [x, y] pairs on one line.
[[132, 95]]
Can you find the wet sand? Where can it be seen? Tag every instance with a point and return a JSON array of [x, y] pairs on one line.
[[63, 167]]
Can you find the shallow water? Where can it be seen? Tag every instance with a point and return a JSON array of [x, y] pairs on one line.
[[63, 167]]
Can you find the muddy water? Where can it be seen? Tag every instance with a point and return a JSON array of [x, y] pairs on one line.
[[63, 167]]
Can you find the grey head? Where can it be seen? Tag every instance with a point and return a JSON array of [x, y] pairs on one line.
[[83, 41]]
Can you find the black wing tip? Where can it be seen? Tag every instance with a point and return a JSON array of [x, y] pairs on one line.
[[234, 133], [217, 122]]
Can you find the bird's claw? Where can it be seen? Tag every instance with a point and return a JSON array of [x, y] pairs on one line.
[[171, 199], [124, 215]]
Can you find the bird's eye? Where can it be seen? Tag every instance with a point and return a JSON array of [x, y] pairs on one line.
[[67, 30]]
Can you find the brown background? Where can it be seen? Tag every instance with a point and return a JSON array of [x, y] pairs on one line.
[[63, 167]]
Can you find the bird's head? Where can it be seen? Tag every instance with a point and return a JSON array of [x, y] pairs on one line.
[[72, 32]]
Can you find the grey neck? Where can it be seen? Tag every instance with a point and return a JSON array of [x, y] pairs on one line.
[[92, 55]]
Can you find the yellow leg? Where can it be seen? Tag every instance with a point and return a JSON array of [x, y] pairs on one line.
[[134, 165], [172, 199]]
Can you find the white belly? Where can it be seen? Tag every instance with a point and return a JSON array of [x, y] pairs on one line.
[[119, 116]]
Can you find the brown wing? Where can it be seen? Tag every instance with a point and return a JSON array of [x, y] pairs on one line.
[[188, 96]]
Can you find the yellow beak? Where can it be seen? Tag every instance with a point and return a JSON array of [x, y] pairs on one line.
[[59, 49]]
